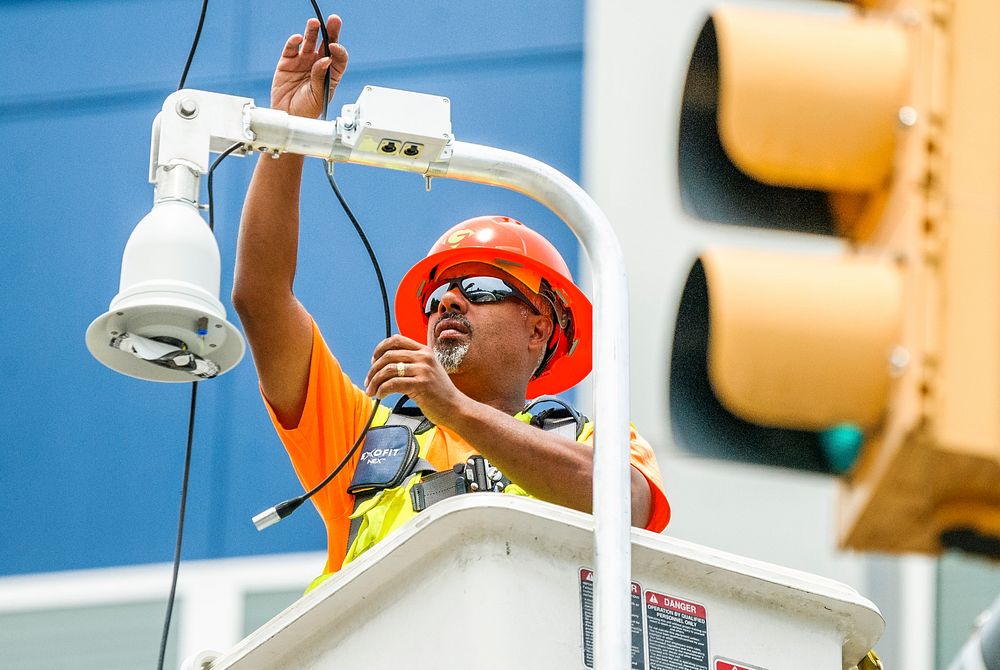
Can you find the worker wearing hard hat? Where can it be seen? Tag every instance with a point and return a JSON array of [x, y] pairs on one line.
[[490, 318]]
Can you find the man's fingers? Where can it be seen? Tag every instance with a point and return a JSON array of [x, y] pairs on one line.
[[333, 25], [395, 342], [385, 378], [389, 387], [291, 49], [311, 37], [307, 42], [386, 364], [339, 55], [317, 76], [338, 61]]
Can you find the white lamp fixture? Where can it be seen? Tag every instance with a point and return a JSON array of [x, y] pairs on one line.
[[166, 323], [169, 295]]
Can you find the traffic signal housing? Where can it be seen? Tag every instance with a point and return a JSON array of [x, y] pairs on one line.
[[777, 354], [880, 363]]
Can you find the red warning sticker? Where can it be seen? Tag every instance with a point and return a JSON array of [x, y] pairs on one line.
[[726, 664], [677, 633], [675, 604]]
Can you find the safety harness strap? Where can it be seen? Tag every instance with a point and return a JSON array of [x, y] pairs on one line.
[[475, 475], [415, 423]]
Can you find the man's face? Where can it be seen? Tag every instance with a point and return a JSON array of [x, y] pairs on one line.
[[488, 338]]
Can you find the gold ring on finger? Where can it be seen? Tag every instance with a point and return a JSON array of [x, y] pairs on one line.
[[400, 369]]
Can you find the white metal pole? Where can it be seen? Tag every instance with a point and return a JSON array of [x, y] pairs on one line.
[[612, 491]]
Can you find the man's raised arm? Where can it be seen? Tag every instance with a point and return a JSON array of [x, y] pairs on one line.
[[277, 326]]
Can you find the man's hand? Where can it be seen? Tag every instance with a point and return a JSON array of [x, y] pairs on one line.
[[425, 379], [549, 466], [297, 87]]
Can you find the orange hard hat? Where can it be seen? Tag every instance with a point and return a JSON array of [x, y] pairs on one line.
[[521, 252]]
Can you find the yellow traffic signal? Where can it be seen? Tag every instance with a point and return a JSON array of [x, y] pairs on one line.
[[877, 125], [770, 364], [831, 88]]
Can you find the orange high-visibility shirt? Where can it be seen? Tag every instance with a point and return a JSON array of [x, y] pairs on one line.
[[334, 415]]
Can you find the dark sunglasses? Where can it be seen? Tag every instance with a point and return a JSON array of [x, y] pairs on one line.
[[477, 290]]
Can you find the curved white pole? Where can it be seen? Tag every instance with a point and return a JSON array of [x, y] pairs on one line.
[[612, 491]]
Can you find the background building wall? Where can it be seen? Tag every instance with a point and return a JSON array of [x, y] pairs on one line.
[[93, 460], [96, 457]]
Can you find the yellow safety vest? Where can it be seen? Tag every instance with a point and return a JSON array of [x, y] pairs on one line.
[[390, 508]]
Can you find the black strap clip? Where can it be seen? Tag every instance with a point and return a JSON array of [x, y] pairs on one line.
[[438, 486], [476, 474]]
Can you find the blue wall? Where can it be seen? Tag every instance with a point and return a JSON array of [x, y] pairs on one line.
[[91, 461]]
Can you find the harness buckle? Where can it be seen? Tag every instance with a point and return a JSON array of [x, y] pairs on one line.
[[475, 475]]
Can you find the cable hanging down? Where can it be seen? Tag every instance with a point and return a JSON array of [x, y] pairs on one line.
[[191, 417], [273, 515], [185, 478], [286, 508]]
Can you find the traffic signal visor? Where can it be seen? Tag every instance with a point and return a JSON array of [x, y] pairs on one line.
[[809, 101], [790, 120], [772, 351]]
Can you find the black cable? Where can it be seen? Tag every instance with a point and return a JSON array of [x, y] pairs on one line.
[[194, 386], [289, 506], [368, 248], [284, 509], [336, 189], [211, 174], [194, 44], [326, 50], [190, 439], [180, 525]]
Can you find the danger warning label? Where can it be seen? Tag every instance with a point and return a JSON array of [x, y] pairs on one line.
[[587, 604], [725, 664], [668, 633], [678, 633]]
